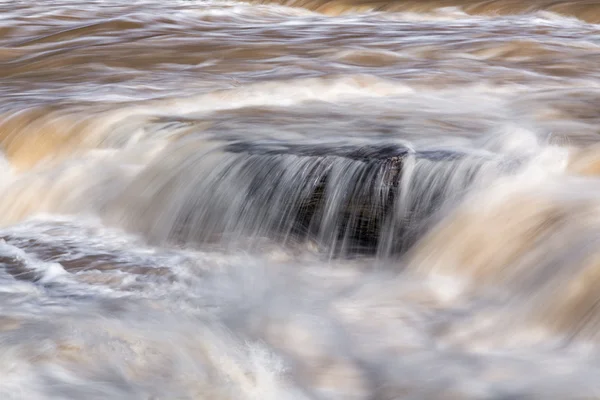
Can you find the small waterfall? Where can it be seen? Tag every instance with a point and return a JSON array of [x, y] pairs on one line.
[[347, 199]]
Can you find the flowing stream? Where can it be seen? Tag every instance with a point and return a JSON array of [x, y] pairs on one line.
[[299, 199]]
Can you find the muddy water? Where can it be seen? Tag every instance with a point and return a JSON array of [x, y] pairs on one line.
[[299, 200]]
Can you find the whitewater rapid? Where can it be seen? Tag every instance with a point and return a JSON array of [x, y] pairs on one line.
[[299, 200]]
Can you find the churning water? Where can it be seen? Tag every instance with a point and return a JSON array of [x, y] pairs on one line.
[[303, 199]]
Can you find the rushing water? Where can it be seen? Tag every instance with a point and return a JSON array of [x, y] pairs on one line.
[[311, 199]]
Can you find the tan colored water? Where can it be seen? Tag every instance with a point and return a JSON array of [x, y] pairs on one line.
[[300, 200]]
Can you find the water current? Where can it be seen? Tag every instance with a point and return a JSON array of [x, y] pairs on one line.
[[303, 199]]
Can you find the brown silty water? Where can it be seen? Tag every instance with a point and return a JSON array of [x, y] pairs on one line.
[[300, 200]]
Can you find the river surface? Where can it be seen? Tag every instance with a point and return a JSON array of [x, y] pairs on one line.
[[305, 199]]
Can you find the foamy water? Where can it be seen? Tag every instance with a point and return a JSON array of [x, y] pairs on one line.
[[299, 200]]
